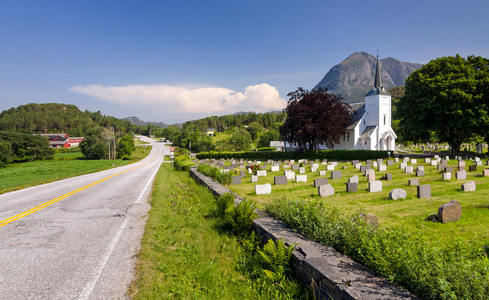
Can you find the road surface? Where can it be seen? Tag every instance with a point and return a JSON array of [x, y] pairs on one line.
[[77, 238]]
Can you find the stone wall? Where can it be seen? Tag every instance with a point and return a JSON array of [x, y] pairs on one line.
[[334, 276]]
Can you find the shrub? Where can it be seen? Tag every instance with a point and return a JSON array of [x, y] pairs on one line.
[[6, 153], [224, 204], [183, 163], [240, 218], [215, 173]]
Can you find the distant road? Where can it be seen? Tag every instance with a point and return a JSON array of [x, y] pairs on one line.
[[76, 238]]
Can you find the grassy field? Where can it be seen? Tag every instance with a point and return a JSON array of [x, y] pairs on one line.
[[410, 212], [64, 165], [184, 253]]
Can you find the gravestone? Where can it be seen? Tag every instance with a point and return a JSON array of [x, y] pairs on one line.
[[335, 174], [295, 167], [375, 186], [427, 160], [353, 179], [351, 187], [414, 161], [388, 176], [409, 169], [420, 168], [369, 171], [397, 194], [473, 168], [402, 166], [320, 181], [461, 164], [446, 176], [441, 166], [396, 159], [450, 212], [485, 173], [368, 162], [233, 166], [242, 174], [390, 163], [382, 168], [280, 180], [322, 173], [461, 175], [419, 173], [263, 189], [329, 168], [236, 180], [370, 177], [290, 175], [354, 162], [448, 169], [375, 164], [274, 169], [254, 178], [315, 166], [313, 170], [414, 181], [301, 178], [261, 173], [358, 166], [325, 190], [434, 163], [363, 168], [469, 186], [302, 170], [345, 167], [424, 191]]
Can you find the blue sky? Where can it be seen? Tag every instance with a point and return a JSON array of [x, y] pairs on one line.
[[172, 61]]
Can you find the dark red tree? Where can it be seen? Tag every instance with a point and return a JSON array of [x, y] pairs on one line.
[[315, 118]]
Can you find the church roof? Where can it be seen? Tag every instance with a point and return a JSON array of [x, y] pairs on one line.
[[368, 132], [378, 88], [357, 114]]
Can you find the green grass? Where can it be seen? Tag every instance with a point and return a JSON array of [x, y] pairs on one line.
[[410, 212], [184, 253], [64, 165]]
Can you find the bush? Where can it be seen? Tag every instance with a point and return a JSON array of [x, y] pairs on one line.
[[224, 204], [183, 163], [215, 173], [408, 258], [6, 153], [240, 218], [342, 155]]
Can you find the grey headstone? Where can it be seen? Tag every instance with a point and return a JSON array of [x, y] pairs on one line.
[[325, 190], [254, 178], [448, 169], [236, 180], [469, 186], [280, 180], [322, 173], [353, 179], [409, 169], [424, 191], [420, 173], [351, 187], [473, 168], [295, 167], [390, 163], [450, 212], [290, 175], [397, 194], [446, 176], [485, 173], [375, 186], [388, 176], [461, 175], [335, 174], [354, 162], [263, 189], [414, 181], [320, 181]]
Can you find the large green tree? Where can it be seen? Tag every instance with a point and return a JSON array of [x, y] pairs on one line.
[[447, 99], [315, 118]]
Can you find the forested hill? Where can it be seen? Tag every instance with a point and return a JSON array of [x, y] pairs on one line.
[[226, 122], [59, 118], [354, 77]]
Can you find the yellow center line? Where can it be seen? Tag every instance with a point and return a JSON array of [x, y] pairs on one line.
[[50, 202]]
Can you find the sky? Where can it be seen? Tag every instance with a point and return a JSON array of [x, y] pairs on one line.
[[175, 60]]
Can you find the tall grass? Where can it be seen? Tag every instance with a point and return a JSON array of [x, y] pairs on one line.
[[412, 258]]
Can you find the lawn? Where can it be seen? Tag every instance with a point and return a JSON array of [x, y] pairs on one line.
[[410, 212], [64, 165]]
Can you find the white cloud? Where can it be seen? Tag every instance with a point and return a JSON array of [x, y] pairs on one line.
[[188, 99]]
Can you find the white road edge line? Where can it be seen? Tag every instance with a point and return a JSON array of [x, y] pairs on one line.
[[147, 185], [91, 284]]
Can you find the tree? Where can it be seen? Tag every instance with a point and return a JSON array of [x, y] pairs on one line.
[[6, 153], [315, 118], [447, 99], [268, 136], [240, 140], [254, 128], [125, 147], [94, 145]]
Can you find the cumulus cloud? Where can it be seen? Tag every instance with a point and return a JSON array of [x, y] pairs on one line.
[[188, 99]]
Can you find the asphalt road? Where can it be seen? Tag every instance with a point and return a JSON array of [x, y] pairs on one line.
[[77, 238]]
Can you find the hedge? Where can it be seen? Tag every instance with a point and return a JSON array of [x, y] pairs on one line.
[[341, 155]]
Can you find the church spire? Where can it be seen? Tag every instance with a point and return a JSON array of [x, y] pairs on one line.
[[378, 88]]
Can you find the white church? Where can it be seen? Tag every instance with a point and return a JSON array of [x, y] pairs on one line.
[[370, 128]]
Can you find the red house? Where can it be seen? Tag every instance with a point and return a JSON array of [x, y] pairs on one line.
[[62, 140]]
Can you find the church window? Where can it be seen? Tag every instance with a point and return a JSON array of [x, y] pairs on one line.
[[385, 120], [365, 142], [348, 136], [363, 122]]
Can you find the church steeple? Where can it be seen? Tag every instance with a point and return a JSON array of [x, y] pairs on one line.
[[378, 88]]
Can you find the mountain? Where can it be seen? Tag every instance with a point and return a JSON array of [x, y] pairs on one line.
[[354, 76], [137, 121]]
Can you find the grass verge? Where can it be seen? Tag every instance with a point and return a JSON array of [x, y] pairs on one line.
[[185, 253], [64, 165]]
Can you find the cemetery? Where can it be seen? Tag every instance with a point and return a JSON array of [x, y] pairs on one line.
[[420, 187]]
